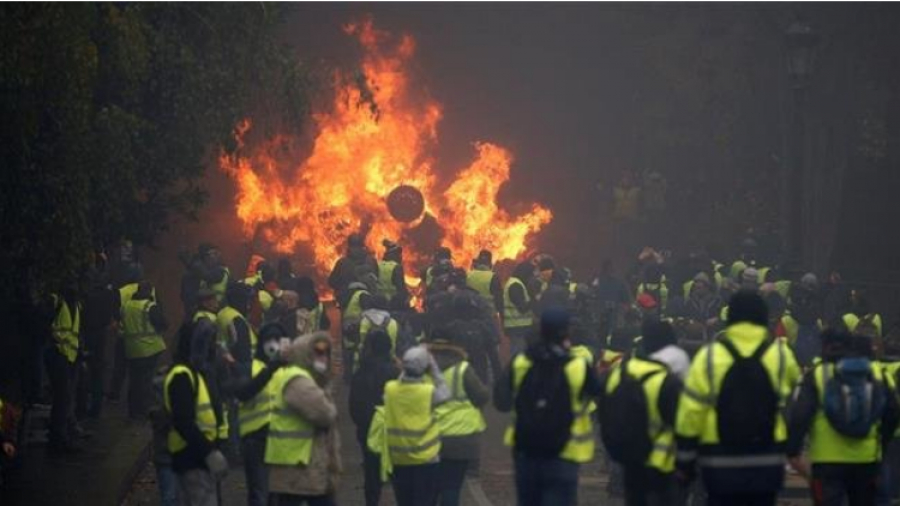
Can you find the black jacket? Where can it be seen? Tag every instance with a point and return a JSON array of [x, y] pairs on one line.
[[183, 399], [367, 391]]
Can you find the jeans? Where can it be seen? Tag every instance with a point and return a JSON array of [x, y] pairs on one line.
[[140, 385], [452, 474], [743, 499], [649, 487], [840, 484], [253, 449], [416, 485], [889, 484], [546, 482], [167, 482], [60, 372], [198, 488], [297, 500]]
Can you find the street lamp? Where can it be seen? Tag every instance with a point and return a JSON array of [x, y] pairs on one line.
[[801, 42]]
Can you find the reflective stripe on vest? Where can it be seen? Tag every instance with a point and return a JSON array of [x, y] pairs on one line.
[[458, 416], [204, 417], [480, 281], [662, 455], [386, 278], [828, 446], [66, 328], [290, 439], [202, 313], [353, 312], [256, 413], [141, 339], [413, 435], [580, 448], [512, 317]]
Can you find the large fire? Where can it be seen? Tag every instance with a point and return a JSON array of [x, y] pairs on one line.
[[375, 137]]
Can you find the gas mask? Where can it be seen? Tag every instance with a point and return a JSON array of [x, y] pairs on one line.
[[321, 355], [272, 349]]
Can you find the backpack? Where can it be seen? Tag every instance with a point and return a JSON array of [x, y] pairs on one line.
[[544, 410], [625, 424], [747, 404], [853, 400]]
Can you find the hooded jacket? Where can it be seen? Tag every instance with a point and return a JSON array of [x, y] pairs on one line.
[[312, 399]]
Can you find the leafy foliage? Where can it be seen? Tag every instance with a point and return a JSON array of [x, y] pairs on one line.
[[111, 112]]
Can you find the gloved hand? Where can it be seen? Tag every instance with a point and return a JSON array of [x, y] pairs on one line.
[[217, 464]]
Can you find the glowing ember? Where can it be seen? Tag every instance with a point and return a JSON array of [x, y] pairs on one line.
[[374, 139]]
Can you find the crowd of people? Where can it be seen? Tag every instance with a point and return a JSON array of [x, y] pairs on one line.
[[697, 381]]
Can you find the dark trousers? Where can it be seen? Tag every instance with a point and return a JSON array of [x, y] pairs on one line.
[[253, 449], [546, 482], [297, 500], [96, 369], [415, 485], [889, 484], [649, 487], [452, 474], [371, 473], [744, 499], [120, 369], [60, 373], [840, 484], [140, 385]]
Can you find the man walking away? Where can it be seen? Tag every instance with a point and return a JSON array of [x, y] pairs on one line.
[[850, 413], [729, 416], [637, 420], [142, 327], [548, 391], [376, 367]]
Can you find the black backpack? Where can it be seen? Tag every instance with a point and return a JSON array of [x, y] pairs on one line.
[[544, 409], [624, 423], [747, 404]]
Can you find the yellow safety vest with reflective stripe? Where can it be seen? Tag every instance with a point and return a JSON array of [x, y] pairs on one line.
[[662, 456], [256, 413], [205, 416], [66, 328], [458, 416], [127, 292], [852, 321], [512, 317], [202, 313], [353, 311], [828, 446], [783, 288], [480, 281], [386, 278], [290, 439], [582, 351], [580, 448], [413, 435], [141, 339], [697, 417], [225, 322]]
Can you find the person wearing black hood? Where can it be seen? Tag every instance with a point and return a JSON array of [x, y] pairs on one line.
[[256, 393], [517, 318], [551, 433], [348, 268], [377, 366], [191, 401]]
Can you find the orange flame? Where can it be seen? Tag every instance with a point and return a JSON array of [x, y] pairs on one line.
[[375, 137]]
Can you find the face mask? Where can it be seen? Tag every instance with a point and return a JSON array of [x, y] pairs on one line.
[[320, 366], [271, 349]]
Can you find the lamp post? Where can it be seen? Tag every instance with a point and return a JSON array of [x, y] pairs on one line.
[[801, 43]]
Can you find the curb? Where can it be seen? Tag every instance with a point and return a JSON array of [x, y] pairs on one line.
[[133, 472]]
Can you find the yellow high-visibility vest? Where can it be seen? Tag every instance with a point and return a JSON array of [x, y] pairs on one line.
[[66, 328], [580, 448], [290, 439], [205, 416], [141, 339], [512, 317], [480, 281], [386, 278], [458, 416], [256, 413], [413, 434]]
